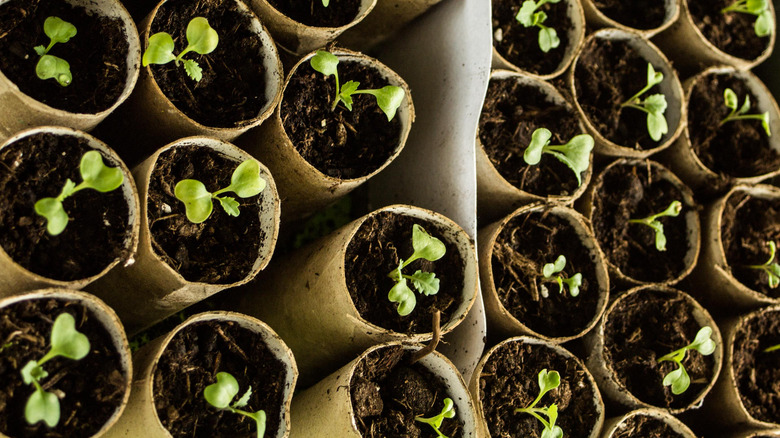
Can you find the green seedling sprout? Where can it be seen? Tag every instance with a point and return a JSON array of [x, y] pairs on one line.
[[574, 282], [435, 422], [679, 379], [654, 105], [201, 39], [738, 113], [575, 154], [547, 382], [220, 395], [772, 348], [50, 66], [652, 221], [425, 247], [325, 3], [94, 174], [529, 17], [772, 269], [764, 24], [388, 98], [198, 202], [66, 342]]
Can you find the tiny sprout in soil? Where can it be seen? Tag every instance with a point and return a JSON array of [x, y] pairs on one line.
[[529, 17], [732, 102], [760, 8], [652, 221], [426, 247], [679, 379], [448, 411], [654, 105], [547, 382], [95, 175], [772, 269], [551, 269], [325, 3], [66, 342], [245, 182], [201, 38], [575, 154], [220, 395], [388, 98], [50, 66]]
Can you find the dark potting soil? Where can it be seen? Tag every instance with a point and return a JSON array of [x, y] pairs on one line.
[[510, 115], [388, 393], [312, 13], [90, 390], [636, 190], [735, 149], [520, 45], [220, 250], [755, 370], [639, 14], [232, 91], [375, 250], [339, 143], [644, 327], [748, 223], [98, 232], [645, 426], [191, 362], [732, 33], [525, 245], [510, 381], [97, 55], [607, 74]]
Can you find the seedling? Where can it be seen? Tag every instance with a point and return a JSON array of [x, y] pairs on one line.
[[772, 348], [435, 422], [739, 114], [772, 269], [575, 154], [50, 66], [574, 282], [425, 247], [65, 342], [94, 174], [652, 221], [654, 105], [764, 24], [679, 379], [325, 3], [529, 17], [547, 382], [201, 38], [220, 395], [198, 202], [388, 97]]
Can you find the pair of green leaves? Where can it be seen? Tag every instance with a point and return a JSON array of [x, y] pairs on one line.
[[201, 39], [220, 395], [198, 201], [528, 16], [425, 247], [448, 411], [547, 382], [50, 66], [388, 98], [66, 342], [679, 379], [94, 174], [772, 269], [652, 221], [574, 282], [654, 105], [765, 24], [575, 154], [738, 113]]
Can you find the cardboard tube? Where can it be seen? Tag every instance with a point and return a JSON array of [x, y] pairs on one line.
[[606, 376], [499, 318], [755, 434], [302, 187], [554, 349], [597, 19], [495, 195], [306, 300], [670, 87], [21, 111], [149, 290], [387, 18], [15, 279], [325, 410], [106, 316], [613, 425], [140, 418]]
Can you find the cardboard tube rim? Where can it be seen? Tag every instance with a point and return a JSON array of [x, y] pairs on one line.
[[678, 426], [671, 15]]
